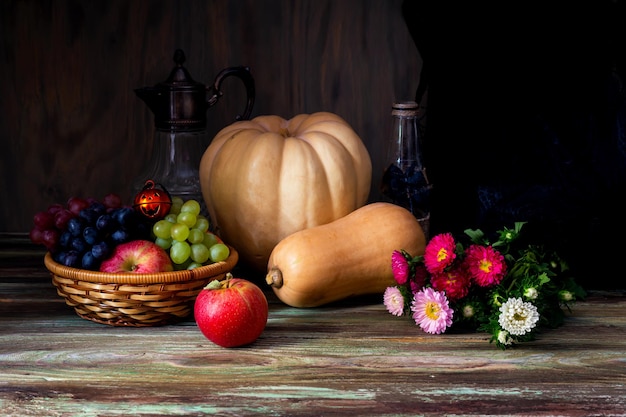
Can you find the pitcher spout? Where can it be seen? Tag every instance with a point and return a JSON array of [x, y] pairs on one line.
[[150, 96]]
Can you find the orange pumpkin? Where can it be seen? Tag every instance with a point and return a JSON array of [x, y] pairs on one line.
[[266, 178]]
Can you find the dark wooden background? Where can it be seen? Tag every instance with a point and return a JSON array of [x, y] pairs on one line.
[[525, 107], [71, 123]]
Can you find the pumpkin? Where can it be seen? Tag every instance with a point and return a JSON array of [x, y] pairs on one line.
[[266, 178], [346, 258]]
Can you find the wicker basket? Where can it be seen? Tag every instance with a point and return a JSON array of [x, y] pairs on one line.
[[128, 299]]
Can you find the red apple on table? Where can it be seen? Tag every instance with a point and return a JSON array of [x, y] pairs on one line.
[[232, 312], [138, 256]]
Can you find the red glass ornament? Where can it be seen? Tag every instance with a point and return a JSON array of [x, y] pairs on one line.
[[154, 203]]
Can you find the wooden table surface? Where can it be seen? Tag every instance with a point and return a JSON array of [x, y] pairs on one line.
[[352, 358]]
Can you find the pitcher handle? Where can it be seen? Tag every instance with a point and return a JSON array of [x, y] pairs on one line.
[[214, 93]]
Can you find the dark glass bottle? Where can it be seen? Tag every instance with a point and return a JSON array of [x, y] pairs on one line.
[[404, 181]]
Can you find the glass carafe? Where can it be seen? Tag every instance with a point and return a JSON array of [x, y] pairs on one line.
[[180, 105]]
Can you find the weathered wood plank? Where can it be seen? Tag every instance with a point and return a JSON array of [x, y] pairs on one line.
[[345, 358], [306, 356]]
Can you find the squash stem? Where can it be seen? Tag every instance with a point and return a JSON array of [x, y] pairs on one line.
[[274, 278]]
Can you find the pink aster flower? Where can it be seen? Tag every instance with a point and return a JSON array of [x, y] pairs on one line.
[[439, 253], [400, 267], [394, 301], [431, 311], [486, 265], [455, 283]]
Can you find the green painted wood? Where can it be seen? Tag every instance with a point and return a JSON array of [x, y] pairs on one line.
[[348, 358]]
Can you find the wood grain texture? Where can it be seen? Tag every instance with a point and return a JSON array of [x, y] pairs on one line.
[[72, 125], [347, 358]]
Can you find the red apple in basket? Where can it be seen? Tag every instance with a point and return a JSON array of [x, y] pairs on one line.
[[138, 256], [232, 312]]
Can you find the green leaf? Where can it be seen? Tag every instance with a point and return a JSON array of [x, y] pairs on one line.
[[518, 226], [543, 278], [476, 235]]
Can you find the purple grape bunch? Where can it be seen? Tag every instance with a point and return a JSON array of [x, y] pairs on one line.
[[83, 232]]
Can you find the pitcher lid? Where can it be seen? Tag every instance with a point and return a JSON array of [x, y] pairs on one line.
[[180, 78], [179, 103]]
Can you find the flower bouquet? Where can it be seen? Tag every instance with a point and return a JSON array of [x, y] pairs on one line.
[[507, 290]]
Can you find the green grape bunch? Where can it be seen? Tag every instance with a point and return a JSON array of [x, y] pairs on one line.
[[184, 233]]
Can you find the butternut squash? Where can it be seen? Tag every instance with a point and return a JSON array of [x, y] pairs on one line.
[[348, 257]]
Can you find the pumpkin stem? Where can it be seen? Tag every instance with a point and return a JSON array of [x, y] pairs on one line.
[[274, 278]]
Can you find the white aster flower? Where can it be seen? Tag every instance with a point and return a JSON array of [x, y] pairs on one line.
[[518, 317], [468, 311], [503, 337], [531, 293]]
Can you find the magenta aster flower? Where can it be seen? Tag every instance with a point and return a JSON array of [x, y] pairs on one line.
[[400, 267], [394, 301], [439, 253], [431, 311], [486, 265], [419, 279], [455, 283]]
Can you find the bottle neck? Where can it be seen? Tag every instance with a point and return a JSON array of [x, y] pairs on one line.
[[404, 147]]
